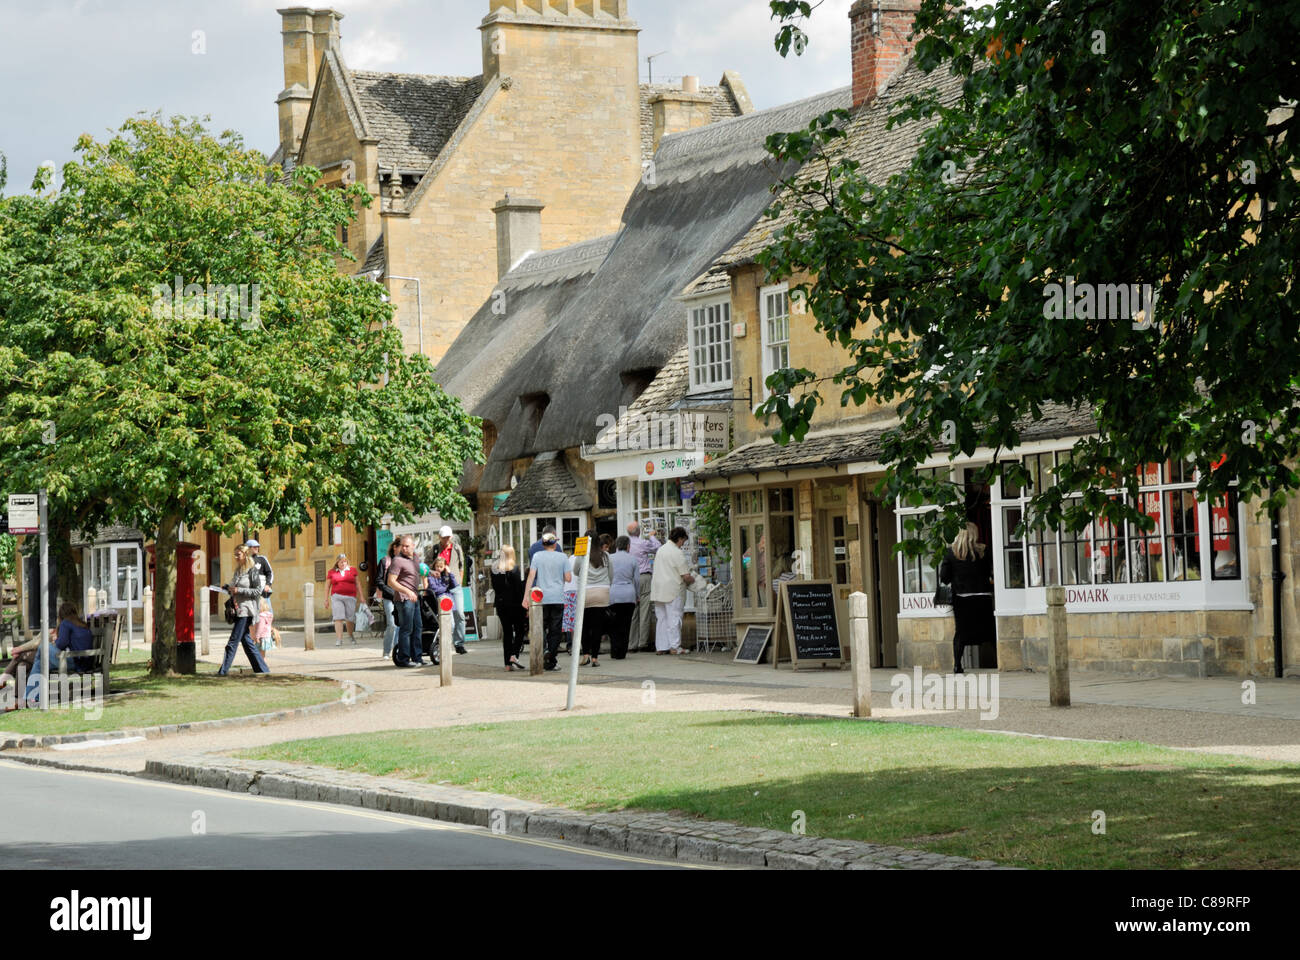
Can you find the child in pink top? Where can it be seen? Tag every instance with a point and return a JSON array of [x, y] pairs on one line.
[[265, 631]]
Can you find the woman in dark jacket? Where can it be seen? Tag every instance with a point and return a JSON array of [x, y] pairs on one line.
[[508, 586], [968, 566]]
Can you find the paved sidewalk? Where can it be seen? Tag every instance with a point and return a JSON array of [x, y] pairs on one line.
[[1203, 715]]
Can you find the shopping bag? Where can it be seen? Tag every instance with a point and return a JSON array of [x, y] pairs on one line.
[[365, 619]]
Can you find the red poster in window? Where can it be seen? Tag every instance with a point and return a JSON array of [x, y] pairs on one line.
[[1221, 525]]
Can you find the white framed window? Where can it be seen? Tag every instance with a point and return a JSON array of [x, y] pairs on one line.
[[774, 307], [710, 339], [522, 532]]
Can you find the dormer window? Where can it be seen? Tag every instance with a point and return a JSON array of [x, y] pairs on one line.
[[710, 340]]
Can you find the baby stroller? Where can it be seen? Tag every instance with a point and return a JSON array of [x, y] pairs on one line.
[[429, 623]]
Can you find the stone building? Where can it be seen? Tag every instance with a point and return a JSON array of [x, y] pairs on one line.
[[1193, 598]]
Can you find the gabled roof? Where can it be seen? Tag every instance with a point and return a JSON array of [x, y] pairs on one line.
[[413, 115], [882, 151], [589, 349], [376, 261], [548, 487]]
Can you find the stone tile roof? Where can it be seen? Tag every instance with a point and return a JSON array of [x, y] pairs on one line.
[[117, 534], [413, 115], [724, 107], [548, 487], [882, 151], [376, 260], [860, 443]]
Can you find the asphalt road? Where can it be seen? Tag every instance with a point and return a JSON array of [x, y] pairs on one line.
[[57, 819]]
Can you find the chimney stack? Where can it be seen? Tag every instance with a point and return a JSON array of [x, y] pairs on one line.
[[880, 43], [519, 231], [307, 34], [676, 111]]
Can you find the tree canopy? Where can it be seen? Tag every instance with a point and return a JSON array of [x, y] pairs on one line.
[[177, 345], [1095, 148]]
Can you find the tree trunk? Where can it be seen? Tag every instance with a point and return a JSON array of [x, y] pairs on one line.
[[164, 597]]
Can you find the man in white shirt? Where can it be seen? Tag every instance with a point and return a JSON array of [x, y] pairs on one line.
[[672, 576]]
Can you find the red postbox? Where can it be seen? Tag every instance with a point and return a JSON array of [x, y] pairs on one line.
[[186, 657]]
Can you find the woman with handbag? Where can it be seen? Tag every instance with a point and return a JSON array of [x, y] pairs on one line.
[[508, 587], [595, 616], [968, 568], [343, 599], [245, 591]]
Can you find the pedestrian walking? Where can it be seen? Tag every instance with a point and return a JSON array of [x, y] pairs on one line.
[[622, 596], [508, 589], [672, 577], [404, 580], [968, 567], [343, 599], [570, 621], [265, 633], [247, 590], [596, 601], [444, 583], [550, 573], [264, 567], [643, 550], [385, 595]]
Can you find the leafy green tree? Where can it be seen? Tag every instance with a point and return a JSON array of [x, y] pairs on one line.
[[1092, 145], [178, 346]]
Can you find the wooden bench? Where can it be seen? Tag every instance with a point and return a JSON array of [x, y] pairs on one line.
[[106, 629]]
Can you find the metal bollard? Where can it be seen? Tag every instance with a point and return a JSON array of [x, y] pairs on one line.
[[309, 616], [860, 638]]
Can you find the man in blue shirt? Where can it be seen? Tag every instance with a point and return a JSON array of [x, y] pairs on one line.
[[549, 573]]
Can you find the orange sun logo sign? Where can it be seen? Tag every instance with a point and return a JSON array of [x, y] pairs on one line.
[[650, 468]]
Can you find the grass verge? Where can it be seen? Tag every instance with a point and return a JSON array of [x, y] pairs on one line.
[[152, 701], [1015, 800]]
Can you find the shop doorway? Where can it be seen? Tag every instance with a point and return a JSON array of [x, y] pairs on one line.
[[979, 511], [833, 561], [881, 568]]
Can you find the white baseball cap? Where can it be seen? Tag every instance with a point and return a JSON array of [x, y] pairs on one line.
[[253, 543], [550, 538], [446, 532]]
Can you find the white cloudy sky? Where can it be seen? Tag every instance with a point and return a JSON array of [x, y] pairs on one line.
[[74, 66]]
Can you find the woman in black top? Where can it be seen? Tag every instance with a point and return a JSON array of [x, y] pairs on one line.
[[508, 586], [968, 566]]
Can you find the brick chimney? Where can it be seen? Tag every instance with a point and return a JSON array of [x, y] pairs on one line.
[[519, 231], [881, 47], [307, 34], [676, 111]]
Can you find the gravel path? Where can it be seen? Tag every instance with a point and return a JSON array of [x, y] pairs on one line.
[[1205, 715]]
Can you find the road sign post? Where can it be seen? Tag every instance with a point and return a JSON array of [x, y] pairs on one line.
[[582, 549]]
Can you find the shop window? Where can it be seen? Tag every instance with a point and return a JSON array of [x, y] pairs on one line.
[[1225, 538], [1013, 549], [1183, 556]]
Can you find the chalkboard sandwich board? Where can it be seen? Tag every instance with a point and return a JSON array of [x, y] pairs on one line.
[[754, 645], [808, 629]]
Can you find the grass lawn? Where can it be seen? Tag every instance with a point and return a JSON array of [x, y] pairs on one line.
[[155, 701], [1016, 800]]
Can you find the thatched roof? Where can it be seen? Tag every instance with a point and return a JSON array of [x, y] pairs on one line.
[[559, 358]]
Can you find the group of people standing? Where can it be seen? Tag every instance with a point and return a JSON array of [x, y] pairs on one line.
[[411, 590], [635, 585]]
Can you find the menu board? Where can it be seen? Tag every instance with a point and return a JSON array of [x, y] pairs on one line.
[[754, 645], [808, 624]]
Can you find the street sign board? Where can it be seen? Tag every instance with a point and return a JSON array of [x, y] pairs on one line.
[[583, 547], [24, 514]]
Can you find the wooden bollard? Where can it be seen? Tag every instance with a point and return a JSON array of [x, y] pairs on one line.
[[448, 649], [309, 616], [536, 640], [860, 640], [1058, 648], [147, 596], [205, 621]]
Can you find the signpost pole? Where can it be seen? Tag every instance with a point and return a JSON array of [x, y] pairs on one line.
[[860, 638], [205, 619], [45, 645], [582, 549], [536, 637]]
